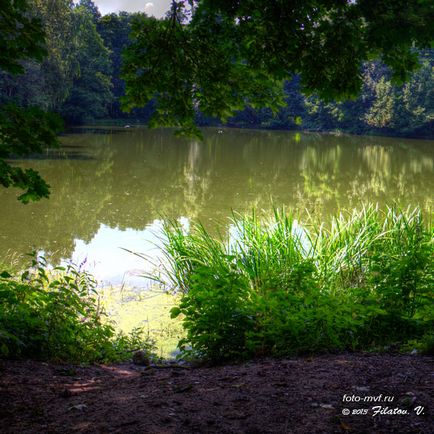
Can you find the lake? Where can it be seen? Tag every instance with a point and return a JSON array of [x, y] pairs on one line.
[[111, 187]]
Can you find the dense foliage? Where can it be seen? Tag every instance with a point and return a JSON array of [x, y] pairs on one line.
[[279, 288], [55, 315], [90, 92], [381, 108], [219, 55], [73, 79], [115, 30], [194, 70], [21, 36]]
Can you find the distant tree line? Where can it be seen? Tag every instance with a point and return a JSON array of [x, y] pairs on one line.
[[381, 108], [81, 79]]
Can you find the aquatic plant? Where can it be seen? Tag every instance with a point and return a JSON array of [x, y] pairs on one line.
[[277, 286]]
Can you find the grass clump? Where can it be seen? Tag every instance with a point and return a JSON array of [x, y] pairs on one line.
[[276, 287], [54, 314]]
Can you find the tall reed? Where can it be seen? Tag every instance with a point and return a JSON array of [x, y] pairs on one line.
[[277, 286]]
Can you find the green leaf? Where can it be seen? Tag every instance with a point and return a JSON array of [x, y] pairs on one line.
[[175, 312]]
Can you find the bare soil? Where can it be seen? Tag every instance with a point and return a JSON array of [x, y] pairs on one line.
[[299, 395]]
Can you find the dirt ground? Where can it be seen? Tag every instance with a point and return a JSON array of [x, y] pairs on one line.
[[300, 395]]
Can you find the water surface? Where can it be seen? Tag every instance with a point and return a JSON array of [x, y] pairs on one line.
[[111, 186]]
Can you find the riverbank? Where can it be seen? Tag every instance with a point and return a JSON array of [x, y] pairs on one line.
[[334, 131], [296, 395]]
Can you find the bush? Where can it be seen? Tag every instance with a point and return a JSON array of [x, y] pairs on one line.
[[280, 288], [55, 315]]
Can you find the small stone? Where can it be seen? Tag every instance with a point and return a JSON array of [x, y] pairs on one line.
[[362, 388], [141, 358], [79, 407]]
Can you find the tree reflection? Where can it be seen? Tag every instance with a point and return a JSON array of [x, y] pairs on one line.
[[125, 179]]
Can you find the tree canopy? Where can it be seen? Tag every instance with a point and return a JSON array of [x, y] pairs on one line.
[[219, 55], [90, 92], [22, 131], [52, 59], [21, 36]]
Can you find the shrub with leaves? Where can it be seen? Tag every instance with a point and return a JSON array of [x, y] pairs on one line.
[[363, 281], [54, 314]]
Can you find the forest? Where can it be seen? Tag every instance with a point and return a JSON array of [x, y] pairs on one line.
[[81, 79]]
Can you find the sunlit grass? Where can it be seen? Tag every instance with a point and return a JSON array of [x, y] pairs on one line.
[[130, 308]]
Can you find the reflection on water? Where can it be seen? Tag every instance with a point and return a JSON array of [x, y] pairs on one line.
[[107, 254], [111, 187]]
